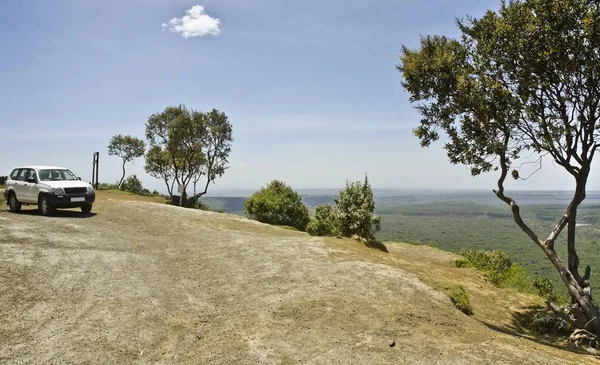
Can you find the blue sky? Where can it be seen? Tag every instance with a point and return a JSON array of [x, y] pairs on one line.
[[310, 87]]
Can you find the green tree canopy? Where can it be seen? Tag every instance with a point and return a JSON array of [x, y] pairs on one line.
[[521, 85], [186, 145], [278, 204], [128, 148]]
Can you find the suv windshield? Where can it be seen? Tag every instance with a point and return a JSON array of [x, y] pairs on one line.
[[56, 174]]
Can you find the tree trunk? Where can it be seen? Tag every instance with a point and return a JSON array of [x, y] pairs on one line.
[[587, 316], [122, 177]]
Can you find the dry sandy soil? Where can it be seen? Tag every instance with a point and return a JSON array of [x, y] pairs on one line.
[[144, 283]]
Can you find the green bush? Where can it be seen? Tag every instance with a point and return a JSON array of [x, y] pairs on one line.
[[323, 223], [459, 297], [516, 277], [544, 322], [499, 268], [354, 211], [277, 204], [494, 263], [133, 185], [106, 186], [463, 262]]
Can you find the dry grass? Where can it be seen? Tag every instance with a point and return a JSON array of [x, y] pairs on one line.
[[152, 283]]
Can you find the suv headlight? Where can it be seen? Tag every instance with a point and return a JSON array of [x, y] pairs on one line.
[[58, 190], [90, 188]]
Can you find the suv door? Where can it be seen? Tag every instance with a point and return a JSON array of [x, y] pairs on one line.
[[19, 184], [30, 188]]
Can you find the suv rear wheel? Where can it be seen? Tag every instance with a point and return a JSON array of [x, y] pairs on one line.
[[44, 206], [13, 204]]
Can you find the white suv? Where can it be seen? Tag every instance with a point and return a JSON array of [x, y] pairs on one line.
[[49, 187]]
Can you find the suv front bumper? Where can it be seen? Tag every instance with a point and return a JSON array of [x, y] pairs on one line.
[[72, 200]]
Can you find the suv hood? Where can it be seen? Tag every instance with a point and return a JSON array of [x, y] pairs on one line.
[[66, 184]]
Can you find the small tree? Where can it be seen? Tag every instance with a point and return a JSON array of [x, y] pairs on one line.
[[128, 148], [354, 209], [187, 144], [521, 81], [278, 204], [324, 222]]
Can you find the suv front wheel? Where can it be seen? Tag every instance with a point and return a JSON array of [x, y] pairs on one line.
[[44, 206], [86, 209], [13, 204]]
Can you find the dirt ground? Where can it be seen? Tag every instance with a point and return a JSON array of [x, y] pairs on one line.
[[145, 283]]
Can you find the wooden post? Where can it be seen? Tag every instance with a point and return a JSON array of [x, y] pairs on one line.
[[95, 165]]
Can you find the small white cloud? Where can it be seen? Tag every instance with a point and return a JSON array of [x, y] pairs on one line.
[[195, 23]]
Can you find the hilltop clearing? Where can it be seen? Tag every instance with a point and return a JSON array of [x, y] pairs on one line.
[[143, 283]]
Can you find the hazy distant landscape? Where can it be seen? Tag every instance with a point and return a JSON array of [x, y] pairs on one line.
[[452, 220]]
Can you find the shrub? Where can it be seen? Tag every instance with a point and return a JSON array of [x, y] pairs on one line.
[[3, 180], [494, 263], [106, 186], [277, 204], [544, 322], [323, 223], [499, 268], [459, 297], [133, 185], [354, 211], [516, 277]]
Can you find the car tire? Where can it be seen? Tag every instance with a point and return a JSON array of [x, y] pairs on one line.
[[13, 204], [44, 206], [86, 209]]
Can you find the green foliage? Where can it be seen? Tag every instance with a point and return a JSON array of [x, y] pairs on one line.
[[544, 287], [496, 95], [463, 262], [499, 268], [277, 204], [495, 264], [133, 185], [128, 148], [107, 186], [158, 165], [354, 211], [351, 215], [186, 145], [544, 322], [323, 223], [517, 278], [459, 297]]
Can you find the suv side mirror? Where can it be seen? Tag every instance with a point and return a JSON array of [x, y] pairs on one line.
[[78, 178], [31, 180]]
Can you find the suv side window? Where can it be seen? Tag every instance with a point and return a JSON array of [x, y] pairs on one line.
[[14, 174], [31, 175], [23, 175]]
